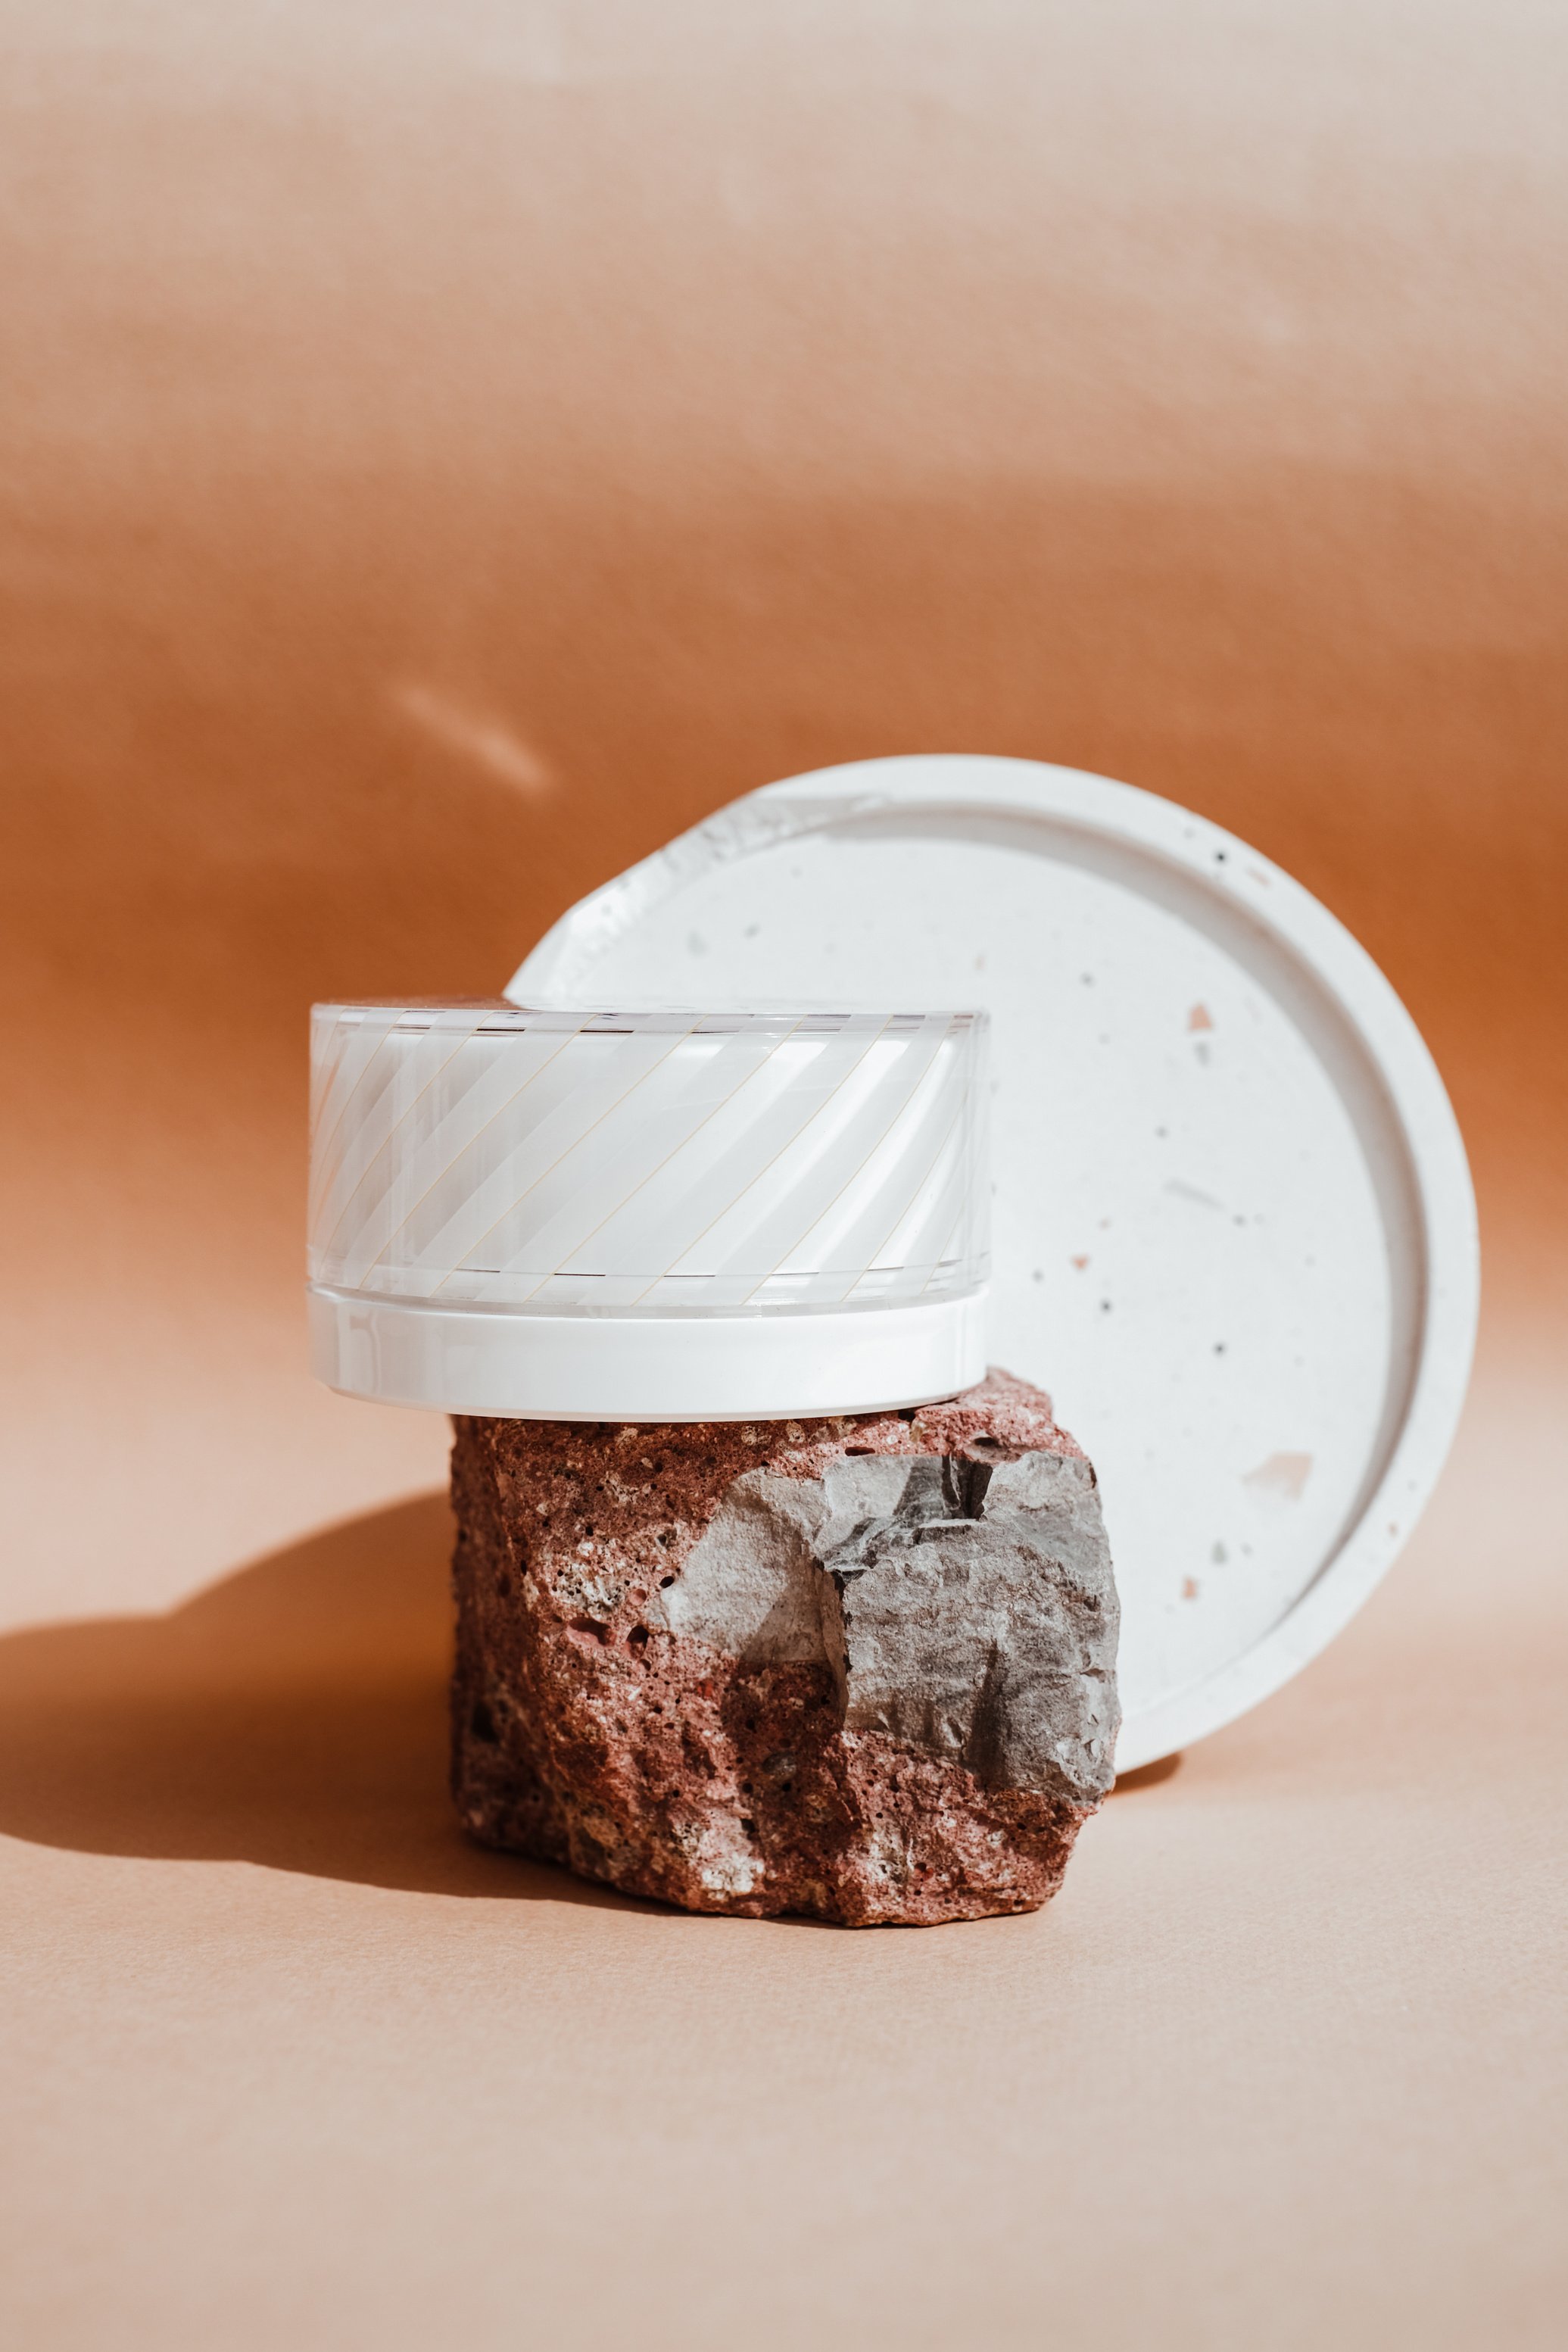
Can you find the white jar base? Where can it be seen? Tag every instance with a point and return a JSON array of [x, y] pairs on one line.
[[770, 1367]]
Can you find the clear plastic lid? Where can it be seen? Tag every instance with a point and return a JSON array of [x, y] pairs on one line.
[[650, 1162]]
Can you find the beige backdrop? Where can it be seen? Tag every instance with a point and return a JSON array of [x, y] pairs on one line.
[[450, 448]]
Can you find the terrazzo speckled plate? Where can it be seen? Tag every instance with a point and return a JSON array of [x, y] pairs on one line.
[[1235, 1235]]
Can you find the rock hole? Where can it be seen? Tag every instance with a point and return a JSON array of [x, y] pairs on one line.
[[481, 1723]]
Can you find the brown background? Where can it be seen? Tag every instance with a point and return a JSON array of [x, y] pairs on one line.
[[449, 449]]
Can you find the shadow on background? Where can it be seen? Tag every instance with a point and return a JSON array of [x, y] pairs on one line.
[[295, 1714]]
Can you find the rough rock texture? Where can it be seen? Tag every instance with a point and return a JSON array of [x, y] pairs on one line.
[[861, 1668]]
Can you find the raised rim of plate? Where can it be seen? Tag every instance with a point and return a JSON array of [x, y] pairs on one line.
[[1193, 850]]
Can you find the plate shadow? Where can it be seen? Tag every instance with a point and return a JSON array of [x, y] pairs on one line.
[[1146, 1776]]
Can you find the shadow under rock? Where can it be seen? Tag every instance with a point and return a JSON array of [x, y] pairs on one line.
[[293, 1715]]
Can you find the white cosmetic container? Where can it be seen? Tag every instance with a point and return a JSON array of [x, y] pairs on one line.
[[649, 1215]]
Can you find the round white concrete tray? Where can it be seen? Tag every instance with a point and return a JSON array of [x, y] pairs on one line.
[[1235, 1235]]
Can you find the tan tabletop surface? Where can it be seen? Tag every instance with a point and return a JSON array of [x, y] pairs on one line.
[[289, 2064], [450, 448]]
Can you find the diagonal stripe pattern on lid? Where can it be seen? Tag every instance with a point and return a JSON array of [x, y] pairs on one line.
[[655, 1161]]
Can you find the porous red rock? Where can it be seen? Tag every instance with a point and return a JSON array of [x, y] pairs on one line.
[[861, 1668]]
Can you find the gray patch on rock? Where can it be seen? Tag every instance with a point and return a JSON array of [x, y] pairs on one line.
[[752, 1585], [964, 1608]]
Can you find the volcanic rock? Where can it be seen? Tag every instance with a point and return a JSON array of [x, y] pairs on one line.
[[862, 1668]]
